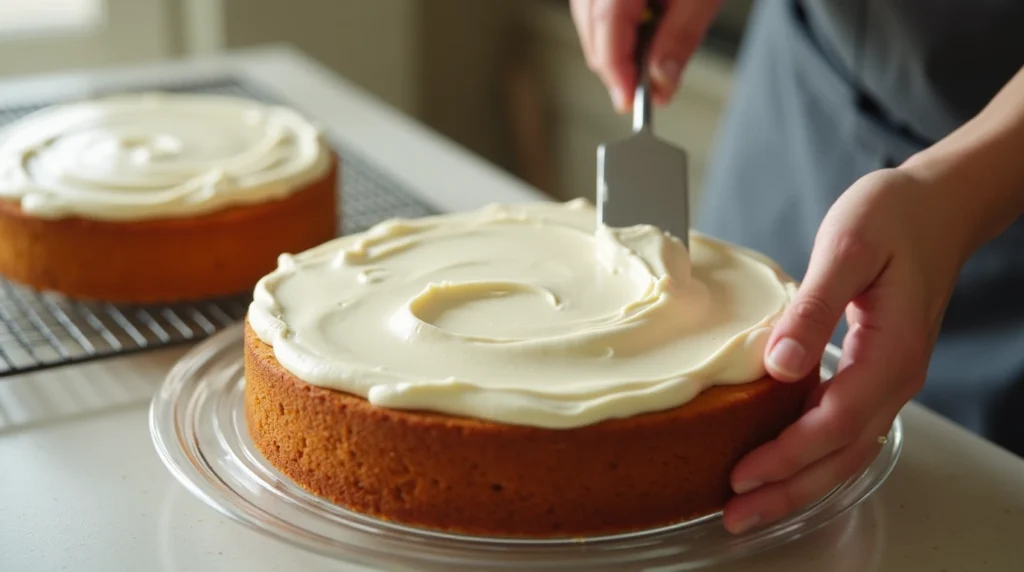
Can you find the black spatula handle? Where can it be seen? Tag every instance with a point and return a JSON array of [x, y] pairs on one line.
[[644, 37], [645, 33]]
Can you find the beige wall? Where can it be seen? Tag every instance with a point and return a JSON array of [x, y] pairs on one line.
[[467, 48], [442, 61], [372, 42]]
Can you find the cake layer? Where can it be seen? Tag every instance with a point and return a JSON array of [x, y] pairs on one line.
[[521, 314], [221, 253], [478, 477]]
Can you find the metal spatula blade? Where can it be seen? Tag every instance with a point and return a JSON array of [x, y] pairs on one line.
[[643, 179]]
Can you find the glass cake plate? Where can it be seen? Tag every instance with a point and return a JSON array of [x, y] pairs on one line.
[[198, 426]]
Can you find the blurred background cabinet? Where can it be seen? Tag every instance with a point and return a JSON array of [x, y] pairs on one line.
[[505, 78]]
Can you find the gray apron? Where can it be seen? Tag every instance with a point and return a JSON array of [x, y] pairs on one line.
[[829, 90]]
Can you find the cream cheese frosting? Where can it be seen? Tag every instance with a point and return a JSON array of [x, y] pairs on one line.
[[157, 155], [521, 314]]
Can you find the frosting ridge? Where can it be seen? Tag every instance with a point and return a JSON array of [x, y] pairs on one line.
[[157, 155], [521, 314]]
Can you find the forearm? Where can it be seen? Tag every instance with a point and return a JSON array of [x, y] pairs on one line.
[[980, 166]]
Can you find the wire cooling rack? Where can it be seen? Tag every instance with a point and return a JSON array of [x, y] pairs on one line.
[[41, 330]]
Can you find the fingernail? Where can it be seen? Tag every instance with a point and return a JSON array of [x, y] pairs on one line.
[[788, 357], [743, 487], [666, 72], [746, 525]]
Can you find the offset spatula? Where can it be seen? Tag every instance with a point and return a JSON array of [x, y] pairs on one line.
[[642, 179]]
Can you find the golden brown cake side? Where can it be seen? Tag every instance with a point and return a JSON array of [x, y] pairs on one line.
[[165, 260], [477, 477]]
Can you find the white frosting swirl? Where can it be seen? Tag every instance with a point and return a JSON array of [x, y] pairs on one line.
[[146, 156], [521, 314]]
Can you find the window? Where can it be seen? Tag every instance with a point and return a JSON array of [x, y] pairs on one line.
[[21, 18], [38, 36]]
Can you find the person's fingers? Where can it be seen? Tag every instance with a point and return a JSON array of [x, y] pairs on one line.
[[679, 33], [845, 409], [773, 502], [845, 359], [580, 10], [846, 405], [843, 264], [613, 41]]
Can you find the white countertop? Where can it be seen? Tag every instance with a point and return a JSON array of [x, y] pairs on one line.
[[81, 487]]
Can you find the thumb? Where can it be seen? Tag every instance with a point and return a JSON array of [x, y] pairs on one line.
[[681, 30], [841, 267]]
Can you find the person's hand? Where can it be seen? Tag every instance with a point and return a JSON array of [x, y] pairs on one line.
[[887, 253], [607, 31]]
